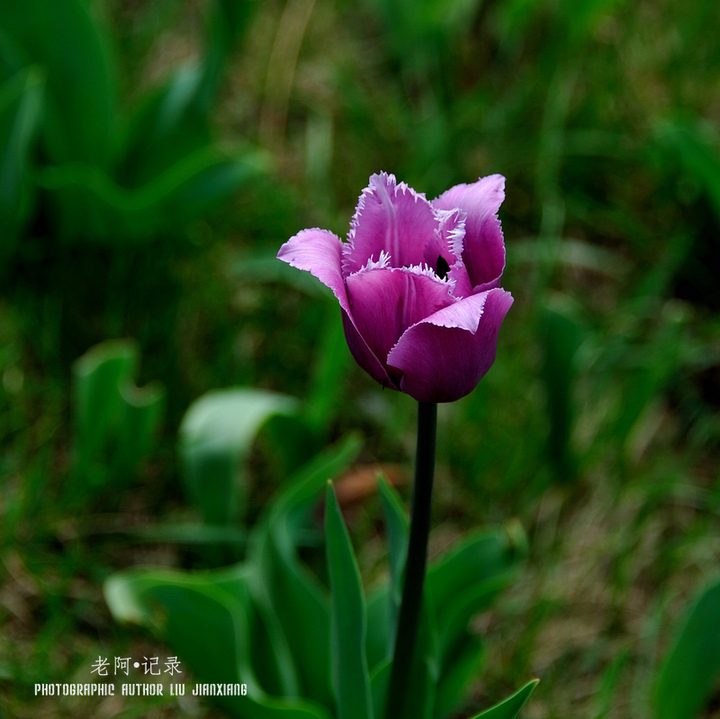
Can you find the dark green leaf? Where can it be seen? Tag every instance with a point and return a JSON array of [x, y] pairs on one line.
[[205, 617], [453, 622], [458, 676], [116, 422], [20, 101], [166, 127], [560, 335], [420, 703], [379, 678], [690, 672], [510, 708], [463, 583], [91, 205], [480, 557], [189, 533], [697, 148], [226, 24], [380, 634], [348, 618], [294, 595], [424, 672], [216, 435], [174, 121], [396, 527], [65, 40]]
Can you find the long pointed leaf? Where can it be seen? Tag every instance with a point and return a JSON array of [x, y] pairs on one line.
[[396, 524], [64, 38], [20, 102], [284, 583], [510, 708], [348, 618], [692, 667]]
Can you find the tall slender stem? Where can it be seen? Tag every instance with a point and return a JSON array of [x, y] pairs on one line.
[[411, 603]]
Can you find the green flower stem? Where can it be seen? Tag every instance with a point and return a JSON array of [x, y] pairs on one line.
[[411, 604]]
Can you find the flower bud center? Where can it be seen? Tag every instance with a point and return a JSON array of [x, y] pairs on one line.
[[442, 267]]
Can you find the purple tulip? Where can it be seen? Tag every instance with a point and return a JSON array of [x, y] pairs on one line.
[[418, 283]]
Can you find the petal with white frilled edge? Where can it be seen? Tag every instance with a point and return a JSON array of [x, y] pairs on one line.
[[320, 253], [385, 302], [390, 218], [484, 247]]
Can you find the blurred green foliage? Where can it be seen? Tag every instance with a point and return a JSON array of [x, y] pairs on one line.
[[154, 156], [302, 651], [103, 178], [116, 423]]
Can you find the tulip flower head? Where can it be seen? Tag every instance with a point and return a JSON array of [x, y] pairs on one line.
[[418, 284]]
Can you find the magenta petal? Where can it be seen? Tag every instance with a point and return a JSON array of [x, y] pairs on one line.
[[385, 302], [441, 358], [363, 355], [447, 244], [484, 251], [318, 252], [390, 219]]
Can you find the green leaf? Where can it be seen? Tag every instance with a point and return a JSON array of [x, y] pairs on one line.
[[116, 422], [20, 102], [13, 58], [691, 669], [98, 375], [458, 676], [174, 121], [697, 147], [65, 40], [269, 653], [560, 336], [650, 369], [91, 205], [285, 586], [201, 622], [424, 672], [206, 617], [473, 571], [396, 526], [166, 127], [227, 22], [380, 634], [464, 606], [216, 435], [458, 585], [423, 678], [348, 618], [379, 679], [510, 708], [191, 533], [289, 442], [461, 584]]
